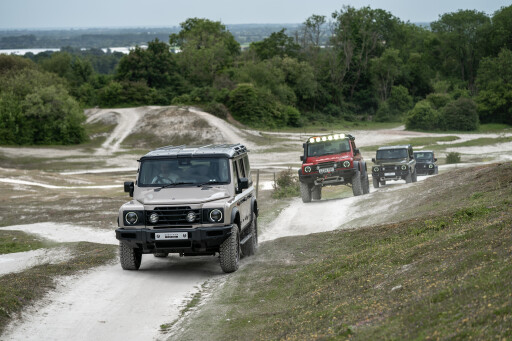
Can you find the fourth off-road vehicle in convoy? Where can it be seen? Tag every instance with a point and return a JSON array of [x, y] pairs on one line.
[[425, 162], [190, 201], [331, 160], [394, 163]]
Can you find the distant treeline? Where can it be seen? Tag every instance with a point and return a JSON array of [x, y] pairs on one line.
[[368, 65], [115, 37]]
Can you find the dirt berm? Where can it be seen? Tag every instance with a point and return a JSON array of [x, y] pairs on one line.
[[437, 265]]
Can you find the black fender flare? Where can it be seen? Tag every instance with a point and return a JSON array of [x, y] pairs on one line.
[[234, 214]]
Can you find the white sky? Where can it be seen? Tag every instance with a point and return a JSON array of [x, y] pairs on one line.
[[16, 14]]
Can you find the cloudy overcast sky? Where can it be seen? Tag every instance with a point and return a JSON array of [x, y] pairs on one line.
[[16, 14]]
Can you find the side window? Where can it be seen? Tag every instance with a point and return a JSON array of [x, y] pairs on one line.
[[235, 175], [247, 168], [241, 168]]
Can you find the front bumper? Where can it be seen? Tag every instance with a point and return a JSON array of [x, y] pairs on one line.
[[390, 175], [200, 240], [339, 176], [425, 169]]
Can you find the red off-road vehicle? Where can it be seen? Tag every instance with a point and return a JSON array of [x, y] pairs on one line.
[[331, 160]]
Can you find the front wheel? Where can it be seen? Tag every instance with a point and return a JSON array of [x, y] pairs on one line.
[[357, 186], [230, 251], [305, 192], [375, 183], [130, 258], [366, 185]]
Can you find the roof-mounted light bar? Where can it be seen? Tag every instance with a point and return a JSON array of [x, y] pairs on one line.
[[316, 139]]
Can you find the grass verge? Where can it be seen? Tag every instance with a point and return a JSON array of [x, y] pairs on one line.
[[21, 289], [445, 274], [18, 241]]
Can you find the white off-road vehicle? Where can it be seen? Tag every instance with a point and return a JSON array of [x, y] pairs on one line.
[[191, 201]]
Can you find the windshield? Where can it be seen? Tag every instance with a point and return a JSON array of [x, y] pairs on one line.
[[423, 156], [392, 154], [183, 171], [328, 147]]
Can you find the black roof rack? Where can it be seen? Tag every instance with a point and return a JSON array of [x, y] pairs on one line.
[[210, 150]]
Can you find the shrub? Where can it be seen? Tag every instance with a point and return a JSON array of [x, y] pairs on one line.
[[453, 157], [423, 116], [217, 109], [460, 114], [286, 185]]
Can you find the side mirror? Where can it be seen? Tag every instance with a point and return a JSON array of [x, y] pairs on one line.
[[302, 158], [243, 183], [435, 159], [373, 160], [356, 151], [128, 187]]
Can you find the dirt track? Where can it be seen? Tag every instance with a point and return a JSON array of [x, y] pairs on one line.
[[111, 304]]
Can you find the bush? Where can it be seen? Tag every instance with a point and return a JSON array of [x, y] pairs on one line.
[[423, 116], [453, 157], [460, 114], [286, 185], [217, 109]]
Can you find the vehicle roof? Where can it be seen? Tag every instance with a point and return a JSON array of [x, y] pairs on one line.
[[405, 146], [210, 150]]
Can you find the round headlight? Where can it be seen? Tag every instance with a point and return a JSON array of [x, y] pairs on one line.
[[404, 167], [131, 218], [375, 169], [346, 164], [153, 218], [215, 215], [430, 166], [191, 216], [307, 169]]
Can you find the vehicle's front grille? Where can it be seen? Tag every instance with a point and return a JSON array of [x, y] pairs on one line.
[[389, 168], [171, 216], [326, 164]]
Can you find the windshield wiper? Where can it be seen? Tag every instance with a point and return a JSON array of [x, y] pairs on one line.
[[174, 184]]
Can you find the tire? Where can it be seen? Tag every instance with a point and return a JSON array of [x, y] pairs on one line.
[[316, 193], [357, 186], [414, 176], [375, 183], [161, 254], [230, 251], [129, 257], [251, 246], [408, 178], [366, 185], [305, 192]]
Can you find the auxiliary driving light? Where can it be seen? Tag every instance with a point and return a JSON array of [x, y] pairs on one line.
[[191, 216], [153, 218]]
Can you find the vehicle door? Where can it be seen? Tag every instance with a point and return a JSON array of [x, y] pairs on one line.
[[243, 197]]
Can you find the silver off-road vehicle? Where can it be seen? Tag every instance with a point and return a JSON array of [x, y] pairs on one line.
[[394, 163], [191, 201]]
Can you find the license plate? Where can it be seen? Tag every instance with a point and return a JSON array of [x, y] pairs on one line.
[[389, 174], [326, 170], [171, 235]]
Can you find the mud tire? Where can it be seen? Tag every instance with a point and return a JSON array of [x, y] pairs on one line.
[[366, 185], [161, 254], [129, 257], [230, 252], [376, 183], [357, 186], [251, 246], [305, 192], [316, 193]]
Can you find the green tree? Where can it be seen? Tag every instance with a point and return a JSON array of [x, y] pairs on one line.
[[423, 117], [494, 82], [501, 33], [207, 48], [463, 38], [385, 70], [278, 44], [396, 106]]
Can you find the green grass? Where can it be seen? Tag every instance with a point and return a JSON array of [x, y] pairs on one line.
[[429, 142], [484, 141], [445, 274], [17, 241], [22, 289]]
